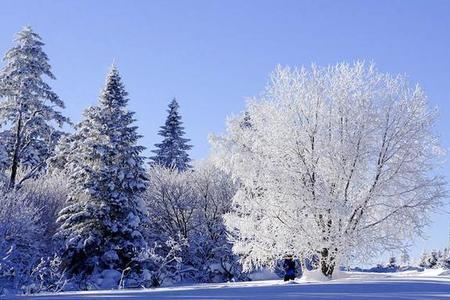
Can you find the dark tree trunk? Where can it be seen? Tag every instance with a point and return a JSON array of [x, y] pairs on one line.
[[15, 159], [327, 262]]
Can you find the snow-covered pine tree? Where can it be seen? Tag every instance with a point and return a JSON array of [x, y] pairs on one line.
[[28, 108], [101, 226], [172, 151]]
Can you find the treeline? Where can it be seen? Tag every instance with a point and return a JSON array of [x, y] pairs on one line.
[[84, 210], [435, 259]]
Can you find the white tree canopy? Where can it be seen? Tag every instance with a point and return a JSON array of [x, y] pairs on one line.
[[335, 162]]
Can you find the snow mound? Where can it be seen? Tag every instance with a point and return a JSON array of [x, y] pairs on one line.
[[314, 276], [339, 274], [108, 279], [263, 274], [435, 272]]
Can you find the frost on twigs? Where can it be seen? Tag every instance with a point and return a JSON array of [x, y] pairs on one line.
[[335, 162], [189, 206]]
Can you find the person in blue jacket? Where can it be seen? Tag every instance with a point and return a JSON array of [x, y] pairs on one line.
[[289, 268]]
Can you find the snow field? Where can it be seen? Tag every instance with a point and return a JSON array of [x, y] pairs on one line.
[[430, 284]]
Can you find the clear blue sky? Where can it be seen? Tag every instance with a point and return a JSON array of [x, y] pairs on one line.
[[212, 54]]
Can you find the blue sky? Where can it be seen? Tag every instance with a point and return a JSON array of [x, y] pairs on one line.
[[212, 54]]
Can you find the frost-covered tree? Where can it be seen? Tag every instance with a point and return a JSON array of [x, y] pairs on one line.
[[172, 151], [210, 250], [171, 208], [337, 162], [27, 224], [188, 207], [101, 226], [424, 263], [48, 193], [30, 121], [161, 261], [171, 202], [404, 257]]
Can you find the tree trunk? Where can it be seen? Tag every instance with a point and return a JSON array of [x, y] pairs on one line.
[[327, 262], [15, 159]]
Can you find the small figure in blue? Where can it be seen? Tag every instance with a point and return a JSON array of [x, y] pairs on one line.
[[289, 268]]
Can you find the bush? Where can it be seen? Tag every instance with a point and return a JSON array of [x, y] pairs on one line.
[[20, 232]]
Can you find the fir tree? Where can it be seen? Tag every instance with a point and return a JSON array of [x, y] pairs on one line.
[[172, 151], [28, 108], [101, 226]]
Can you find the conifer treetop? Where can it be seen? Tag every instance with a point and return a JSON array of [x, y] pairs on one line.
[[172, 151]]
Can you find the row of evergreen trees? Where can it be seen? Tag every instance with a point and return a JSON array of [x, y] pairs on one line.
[[103, 227], [436, 259], [31, 120]]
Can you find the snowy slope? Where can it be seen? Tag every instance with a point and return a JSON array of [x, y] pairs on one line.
[[431, 284]]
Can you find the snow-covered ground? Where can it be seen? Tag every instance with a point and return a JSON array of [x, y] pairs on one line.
[[430, 284]]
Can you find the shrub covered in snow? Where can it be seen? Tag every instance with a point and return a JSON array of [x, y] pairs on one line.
[[48, 193], [190, 205], [21, 231]]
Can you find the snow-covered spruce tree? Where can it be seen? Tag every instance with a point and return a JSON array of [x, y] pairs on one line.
[[101, 225], [336, 162], [172, 151], [29, 118]]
